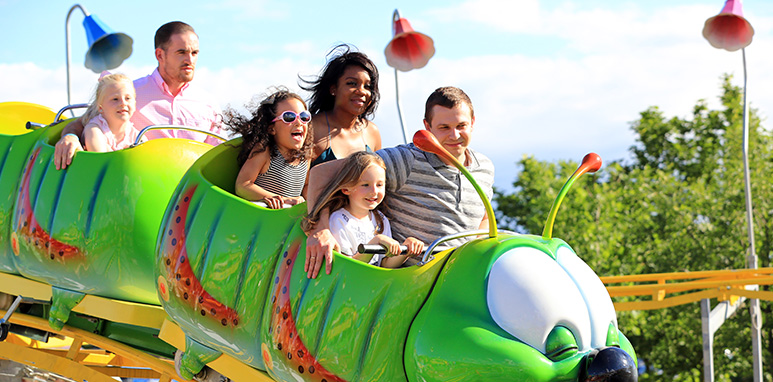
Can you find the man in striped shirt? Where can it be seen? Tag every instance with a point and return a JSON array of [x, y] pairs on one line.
[[428, 196]]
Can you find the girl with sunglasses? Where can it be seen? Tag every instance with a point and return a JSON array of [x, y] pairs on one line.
[[275, 151]]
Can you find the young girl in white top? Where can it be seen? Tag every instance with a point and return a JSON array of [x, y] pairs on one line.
[[355, 197], [107, 125]]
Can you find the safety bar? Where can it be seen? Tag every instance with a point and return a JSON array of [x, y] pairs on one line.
[[431, 250], [174, 127], [377, 249], [35, 126], [69, 107]]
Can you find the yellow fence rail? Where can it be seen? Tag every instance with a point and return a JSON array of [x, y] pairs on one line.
[[665, 290]]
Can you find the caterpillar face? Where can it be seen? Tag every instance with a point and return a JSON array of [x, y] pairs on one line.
[[515, 308], [530, 294]]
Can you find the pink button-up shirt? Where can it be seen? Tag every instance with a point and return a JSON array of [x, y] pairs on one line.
[[190, 107]]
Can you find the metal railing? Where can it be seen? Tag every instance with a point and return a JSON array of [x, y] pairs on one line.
[[174, 127], [69, 107], [431, 249]]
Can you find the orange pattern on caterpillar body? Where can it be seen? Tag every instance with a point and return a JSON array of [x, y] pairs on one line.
[[29, 230], [180, 275], [283, 330]]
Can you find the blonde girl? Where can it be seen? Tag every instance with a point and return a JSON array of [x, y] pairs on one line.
[[107, 121], [355, 197]]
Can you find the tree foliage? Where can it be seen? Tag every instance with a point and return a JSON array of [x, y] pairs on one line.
[[676, 205]]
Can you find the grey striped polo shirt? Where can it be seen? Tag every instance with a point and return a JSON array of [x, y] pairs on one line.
[[429, 199]]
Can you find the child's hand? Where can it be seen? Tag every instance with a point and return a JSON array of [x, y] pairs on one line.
[[415, 246], [391, 245], [294, 201], [274, 202]]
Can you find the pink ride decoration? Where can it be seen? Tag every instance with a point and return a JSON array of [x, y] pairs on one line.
[[729, 30], [408, 49]]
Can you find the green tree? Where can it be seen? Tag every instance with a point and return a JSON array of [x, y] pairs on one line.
[[676, 205]]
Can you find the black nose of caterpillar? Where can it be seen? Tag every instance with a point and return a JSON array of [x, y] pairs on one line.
[[609, 364]]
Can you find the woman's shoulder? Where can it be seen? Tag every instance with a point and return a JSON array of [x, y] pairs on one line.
[[371, 128], [318, 131], [372, 135]]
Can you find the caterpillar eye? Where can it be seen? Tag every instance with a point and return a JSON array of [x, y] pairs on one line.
[[531, 295], [598, 304]]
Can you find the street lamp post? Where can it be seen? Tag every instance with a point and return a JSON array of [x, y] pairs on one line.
[[406, 51], [107, 49], [729, 30]]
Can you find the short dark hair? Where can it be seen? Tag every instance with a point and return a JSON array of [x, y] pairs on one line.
[[343, 56], [166, 31], [446, 96]]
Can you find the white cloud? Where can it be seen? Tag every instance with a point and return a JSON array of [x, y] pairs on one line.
[[521, 16], [583, 28], [553, 106], [563, 104]]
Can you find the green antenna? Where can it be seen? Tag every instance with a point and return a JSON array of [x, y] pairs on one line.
[[424, 140], [590, 163]]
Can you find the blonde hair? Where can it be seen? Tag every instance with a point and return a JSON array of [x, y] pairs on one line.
[[332, 198], [99, 93]]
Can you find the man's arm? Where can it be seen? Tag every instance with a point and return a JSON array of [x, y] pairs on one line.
[[484, 223], [216, 128], [320, 242], [68, 145], [318, 177]]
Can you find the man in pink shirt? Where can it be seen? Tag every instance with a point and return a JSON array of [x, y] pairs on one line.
[[165, 97]]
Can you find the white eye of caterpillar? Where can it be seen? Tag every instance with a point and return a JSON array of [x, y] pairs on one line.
[[529, 293], [597, 301]]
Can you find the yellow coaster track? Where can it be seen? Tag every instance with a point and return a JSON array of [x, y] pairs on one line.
[[671, 289]]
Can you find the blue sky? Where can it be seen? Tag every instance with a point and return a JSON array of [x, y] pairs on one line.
[[552, 79]]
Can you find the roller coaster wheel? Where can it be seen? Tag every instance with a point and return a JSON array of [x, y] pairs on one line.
[[205, 375], [178, 356], [4, 328]]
